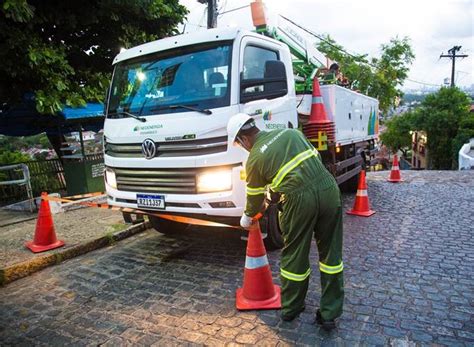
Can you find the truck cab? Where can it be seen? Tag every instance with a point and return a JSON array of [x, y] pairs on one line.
[[168, 106]]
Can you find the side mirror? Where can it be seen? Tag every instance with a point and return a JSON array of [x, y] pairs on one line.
[[273, 84]]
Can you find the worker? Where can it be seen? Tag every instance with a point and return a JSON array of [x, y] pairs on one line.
[[310, 204], [334, 76]]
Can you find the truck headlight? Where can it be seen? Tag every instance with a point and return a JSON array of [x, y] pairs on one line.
[[110, 178], [214, 181]]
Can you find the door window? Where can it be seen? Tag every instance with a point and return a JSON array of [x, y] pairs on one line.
[[254, 72]]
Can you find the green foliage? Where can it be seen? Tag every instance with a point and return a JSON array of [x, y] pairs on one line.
[[397, 135], [465, 133], [8, 157], [376, 77], [62, 51], [445, 118], [44, 142], [17, 143], [407, 98]]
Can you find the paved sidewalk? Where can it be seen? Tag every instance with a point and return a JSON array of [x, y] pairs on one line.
[[409, 279], [81, 229], [8, 217]]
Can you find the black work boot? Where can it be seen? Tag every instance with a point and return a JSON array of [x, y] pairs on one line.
[[289, 317], [325, 324]]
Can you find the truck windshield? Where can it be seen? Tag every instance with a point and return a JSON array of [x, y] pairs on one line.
[[154, 84]]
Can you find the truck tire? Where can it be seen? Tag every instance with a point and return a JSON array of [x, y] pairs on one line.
[[269, 224], [167, 227]]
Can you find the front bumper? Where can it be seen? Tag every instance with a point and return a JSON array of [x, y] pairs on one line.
[[195, 204]]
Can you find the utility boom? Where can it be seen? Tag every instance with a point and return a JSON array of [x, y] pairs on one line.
[[305, 57]]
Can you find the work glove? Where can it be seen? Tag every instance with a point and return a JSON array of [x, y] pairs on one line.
[[246, 221]]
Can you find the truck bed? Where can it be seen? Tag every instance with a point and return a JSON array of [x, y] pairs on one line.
[[355, 115]]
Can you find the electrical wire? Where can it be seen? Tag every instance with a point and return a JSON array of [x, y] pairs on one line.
[[223, 6], [326, 40], [424, 83], [190, 11], [234, 9], [196, 25], [358, 58]]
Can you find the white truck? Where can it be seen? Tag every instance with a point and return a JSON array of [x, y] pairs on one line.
[[165, 139]]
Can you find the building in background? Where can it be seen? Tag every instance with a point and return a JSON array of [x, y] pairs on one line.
[[419, 158]]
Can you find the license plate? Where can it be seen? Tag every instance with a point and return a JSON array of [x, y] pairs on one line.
[[151, 201]]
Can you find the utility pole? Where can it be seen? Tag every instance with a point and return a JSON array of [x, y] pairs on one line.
[[211, 12], [453, 56]]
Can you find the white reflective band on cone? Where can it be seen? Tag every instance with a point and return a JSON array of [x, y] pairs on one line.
[[361, 192], [317, 100], [395, 168], [255, 262]]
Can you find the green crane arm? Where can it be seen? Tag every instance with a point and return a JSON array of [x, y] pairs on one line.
[[306, 58]]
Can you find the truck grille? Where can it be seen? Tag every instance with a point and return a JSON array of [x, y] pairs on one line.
[[186, 148], [167, 181], [171, 181]]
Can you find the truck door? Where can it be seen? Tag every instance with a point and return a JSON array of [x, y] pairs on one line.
[[269, 112]]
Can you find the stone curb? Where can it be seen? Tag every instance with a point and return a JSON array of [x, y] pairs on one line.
[[25, 268]]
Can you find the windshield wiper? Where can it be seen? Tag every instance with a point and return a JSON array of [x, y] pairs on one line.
[[205, 111], [141, 119]]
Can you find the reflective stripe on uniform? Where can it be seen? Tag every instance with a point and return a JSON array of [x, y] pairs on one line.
[[295, 277], [255, 191], [331, 270], [255, 262], [286, 169]]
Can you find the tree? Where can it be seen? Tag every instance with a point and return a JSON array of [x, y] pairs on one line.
[[465, 133], [8, 157], [381, 77], [397, 135], [445, 118], [44, 142], [62, 50]]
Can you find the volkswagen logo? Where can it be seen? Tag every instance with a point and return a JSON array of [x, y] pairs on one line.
[[149, 148]]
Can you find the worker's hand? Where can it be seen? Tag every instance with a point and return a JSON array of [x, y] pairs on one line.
[[246, 221]]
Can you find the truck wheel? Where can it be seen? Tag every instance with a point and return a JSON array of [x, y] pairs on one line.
[[270, 225], [350, 186], [167, 227]]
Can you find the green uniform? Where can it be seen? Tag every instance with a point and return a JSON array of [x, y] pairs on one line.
[[311, 205]]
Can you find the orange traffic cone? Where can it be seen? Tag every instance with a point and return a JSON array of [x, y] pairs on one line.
[[258, 291], [318, 112], [318, 119], [361, 204], [45, 237], [395, 172]]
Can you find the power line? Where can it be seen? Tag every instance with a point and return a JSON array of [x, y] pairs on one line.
[[222, 7], [190, 11], [196, 25], [424, 83], [234, 9], [358, 58], [327, 41]]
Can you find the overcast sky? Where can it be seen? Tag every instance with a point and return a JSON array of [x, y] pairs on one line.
[[434, 26]]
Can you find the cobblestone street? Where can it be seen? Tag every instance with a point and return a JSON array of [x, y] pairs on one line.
[[409, 278]]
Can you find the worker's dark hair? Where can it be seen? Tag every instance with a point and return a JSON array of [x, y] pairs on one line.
[[334, 66]]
